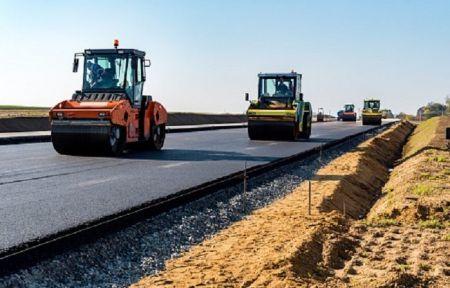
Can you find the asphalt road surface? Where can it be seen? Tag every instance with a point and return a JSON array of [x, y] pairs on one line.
[[43, 192]]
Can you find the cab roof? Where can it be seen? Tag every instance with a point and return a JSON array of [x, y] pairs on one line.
[[291, 74], [115, 51]]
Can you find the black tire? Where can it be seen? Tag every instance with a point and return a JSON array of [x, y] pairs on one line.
[[306, 131], [116, 142], [157, 137]]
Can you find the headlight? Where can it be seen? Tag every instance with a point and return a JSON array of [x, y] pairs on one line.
[[60, 115], [102, 115]]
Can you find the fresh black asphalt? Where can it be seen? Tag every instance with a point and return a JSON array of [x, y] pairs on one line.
[[43, 192]]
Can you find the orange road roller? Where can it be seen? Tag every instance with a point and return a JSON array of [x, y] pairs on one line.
[[110, 112], [349, 113]]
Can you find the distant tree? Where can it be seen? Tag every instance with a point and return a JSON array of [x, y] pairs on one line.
[[405, 116], [433, 109], [447, 103]]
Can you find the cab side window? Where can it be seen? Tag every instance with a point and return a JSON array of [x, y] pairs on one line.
[[139, 81], [129, 79], [139, 70]]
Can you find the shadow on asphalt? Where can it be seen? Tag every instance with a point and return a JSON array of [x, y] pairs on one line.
[[318, 140], [195, 155]]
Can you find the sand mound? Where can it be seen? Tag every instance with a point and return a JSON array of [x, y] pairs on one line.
[[281, 245], [405, 240], [419, 189], [353, 181], [428, 135]]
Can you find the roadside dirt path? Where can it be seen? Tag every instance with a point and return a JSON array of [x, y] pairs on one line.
[[395, 256]]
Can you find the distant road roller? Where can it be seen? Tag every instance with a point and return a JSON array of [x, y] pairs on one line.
[[110, 111], [320, 115], [349, 113], [279, 111], [371, 114]]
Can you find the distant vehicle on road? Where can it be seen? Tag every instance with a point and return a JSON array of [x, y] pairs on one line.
[[371, 114], [280, 110], [387, 113], [320, 115], [339, 115], [349, 113]]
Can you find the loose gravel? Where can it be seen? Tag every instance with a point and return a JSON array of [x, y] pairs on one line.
[[124, 257]]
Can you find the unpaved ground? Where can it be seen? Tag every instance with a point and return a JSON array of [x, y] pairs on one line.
[[281, 245], [405, 240], [394, 256]]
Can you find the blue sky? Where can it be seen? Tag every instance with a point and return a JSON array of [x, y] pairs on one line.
[[206, 54]]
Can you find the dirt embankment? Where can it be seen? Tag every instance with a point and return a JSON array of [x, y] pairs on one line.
[[39, 123], [281, 245], [405, 240], [419, 187]]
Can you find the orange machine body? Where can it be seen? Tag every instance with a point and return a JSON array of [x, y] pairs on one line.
[[119, 113], [110, 111]]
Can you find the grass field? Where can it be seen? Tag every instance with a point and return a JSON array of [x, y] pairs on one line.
[[11, 111]]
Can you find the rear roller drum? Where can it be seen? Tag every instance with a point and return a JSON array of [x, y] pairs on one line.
[[306, 131], [157, 137], [116, 141]]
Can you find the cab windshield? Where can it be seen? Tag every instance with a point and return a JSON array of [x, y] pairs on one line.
[[106, 72], [277, 87], [349, 108], [372, 105]]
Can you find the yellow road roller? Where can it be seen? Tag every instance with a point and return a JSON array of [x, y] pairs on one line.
[[279, 111], [371, 113]]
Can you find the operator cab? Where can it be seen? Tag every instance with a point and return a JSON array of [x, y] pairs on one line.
[[372, 104], [282, 85], [112, 74], [349, 108], [279, 90]]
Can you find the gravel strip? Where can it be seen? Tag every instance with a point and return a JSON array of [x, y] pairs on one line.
[[122, 258]]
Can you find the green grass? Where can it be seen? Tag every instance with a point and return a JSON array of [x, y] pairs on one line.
[[382, 222], [431, 223], [421, 136], [18, 107], [404, 267], [424, 267], [422, 190], [440, 158], [446, 237], [428, 176]]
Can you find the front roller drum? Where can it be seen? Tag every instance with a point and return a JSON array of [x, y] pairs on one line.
[[77, 139], [271, 130], [371, 120]]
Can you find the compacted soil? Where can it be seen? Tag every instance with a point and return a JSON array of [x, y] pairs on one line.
[[283, 245], [405, 240]]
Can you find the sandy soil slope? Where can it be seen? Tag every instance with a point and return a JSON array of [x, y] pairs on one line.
[[405, 240], [281, 245]]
